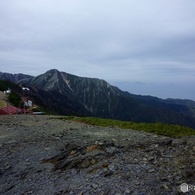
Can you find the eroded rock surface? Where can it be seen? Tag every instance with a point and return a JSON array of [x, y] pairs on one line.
[[40, 155]]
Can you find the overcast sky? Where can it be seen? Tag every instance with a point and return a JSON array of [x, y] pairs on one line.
[[144, 47]]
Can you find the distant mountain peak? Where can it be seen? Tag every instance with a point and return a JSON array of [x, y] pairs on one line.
[[69, 94], [14, 77]]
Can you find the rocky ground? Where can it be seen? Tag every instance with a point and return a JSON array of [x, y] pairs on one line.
[[41, 155]]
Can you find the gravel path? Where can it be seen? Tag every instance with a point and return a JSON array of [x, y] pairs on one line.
[[41, 155]]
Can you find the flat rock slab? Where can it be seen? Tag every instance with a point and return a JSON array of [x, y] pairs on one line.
[[44, 155]]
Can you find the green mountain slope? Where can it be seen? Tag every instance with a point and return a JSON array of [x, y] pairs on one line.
[[67, 94]]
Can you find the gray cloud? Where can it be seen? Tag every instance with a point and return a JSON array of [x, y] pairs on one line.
[[124, 41]]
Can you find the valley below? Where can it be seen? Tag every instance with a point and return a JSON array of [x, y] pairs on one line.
[[46, 155]]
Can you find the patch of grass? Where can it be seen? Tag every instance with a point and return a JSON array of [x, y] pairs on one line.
[[156, 128]]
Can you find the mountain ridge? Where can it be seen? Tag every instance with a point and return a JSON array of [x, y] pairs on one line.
[[65, 93]]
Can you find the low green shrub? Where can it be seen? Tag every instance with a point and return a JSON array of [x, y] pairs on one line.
[[156, 128]]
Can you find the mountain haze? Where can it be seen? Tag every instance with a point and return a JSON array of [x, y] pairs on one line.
[[68, 94]]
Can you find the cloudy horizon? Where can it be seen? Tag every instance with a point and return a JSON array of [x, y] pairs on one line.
[[142, 47]]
